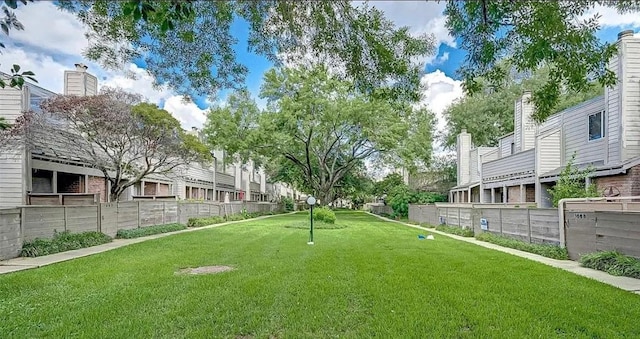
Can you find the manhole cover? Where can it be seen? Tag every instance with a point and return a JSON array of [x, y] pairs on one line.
[[205, 270]]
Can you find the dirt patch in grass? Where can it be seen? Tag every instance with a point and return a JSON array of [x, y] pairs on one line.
[[205, 270]]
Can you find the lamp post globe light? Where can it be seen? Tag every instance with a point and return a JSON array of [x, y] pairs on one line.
[[311, 201]]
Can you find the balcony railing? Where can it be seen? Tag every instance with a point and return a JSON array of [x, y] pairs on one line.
[[521, 164]]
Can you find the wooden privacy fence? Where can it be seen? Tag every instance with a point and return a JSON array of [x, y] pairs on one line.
[[537, 225], [602, 226], [27, 223]]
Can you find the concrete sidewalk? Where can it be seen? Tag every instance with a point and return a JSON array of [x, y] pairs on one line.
[[625, 283], [25, 263]]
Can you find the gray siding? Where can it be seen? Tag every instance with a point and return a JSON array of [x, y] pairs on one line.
[[474, 169], [73, 83], [529, 127], [552, 122], [490, 155], [463, 149], [630, 49], [505, 146], [517, 164], [12, 162], [549, 152], [517, 126], [225, 179], [612, 96], [575, 128], [197, 173]]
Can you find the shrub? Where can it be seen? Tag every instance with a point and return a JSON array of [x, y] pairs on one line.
[[571, 183], [545, 250], [235, 217], [426, 225], [63, 241], [463, 232], [401, 196], [324, 214], [199, 222], [149, 230], [612, 262], [288, 203]]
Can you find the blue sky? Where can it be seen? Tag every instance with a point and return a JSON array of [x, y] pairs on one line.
[[53, 40]]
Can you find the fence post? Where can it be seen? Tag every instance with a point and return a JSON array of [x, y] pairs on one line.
[[22, 209], [64, 210], [164, 211], [178, 214], [529, 223], [99, 217]]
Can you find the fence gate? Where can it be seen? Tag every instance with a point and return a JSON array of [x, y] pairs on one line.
[[109, 218], [580, 233]]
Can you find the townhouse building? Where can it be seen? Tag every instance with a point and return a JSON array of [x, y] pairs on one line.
[[603, 133], [41, 176]]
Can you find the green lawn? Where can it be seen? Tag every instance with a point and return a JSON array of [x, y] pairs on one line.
[[371, 278]]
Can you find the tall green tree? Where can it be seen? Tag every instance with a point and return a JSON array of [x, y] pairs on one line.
[[387, 184], [190, 44], [319, 125], [489, 114], [531, 34]]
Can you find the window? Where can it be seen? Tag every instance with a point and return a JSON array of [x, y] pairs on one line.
[[596, 126]]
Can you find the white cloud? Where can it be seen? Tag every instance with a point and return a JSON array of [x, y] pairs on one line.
[[422, 17], [442, 59], [53, 41], [142, 84], [439, 92], [609, 17], [48, 71], [188, 113], [49, 28]]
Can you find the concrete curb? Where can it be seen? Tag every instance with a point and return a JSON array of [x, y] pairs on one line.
[[25, 263], [624, 283]]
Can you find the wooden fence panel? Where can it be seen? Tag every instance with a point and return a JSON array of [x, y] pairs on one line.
[[151, 212], [41, 222], [544, 226], [10, 234], [81, 218], [515, 223], [170, 212], [109, 218], [466, 219], [494, 219], [128, 217], [618, 231]]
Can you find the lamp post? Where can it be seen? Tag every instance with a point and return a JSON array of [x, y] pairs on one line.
[[311, 201]]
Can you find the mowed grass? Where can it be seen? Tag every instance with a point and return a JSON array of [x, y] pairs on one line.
[[372, 278]]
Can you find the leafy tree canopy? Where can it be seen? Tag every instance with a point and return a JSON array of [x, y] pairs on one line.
[[316, 129], [531, 34], [387, 184], [190, 45]]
